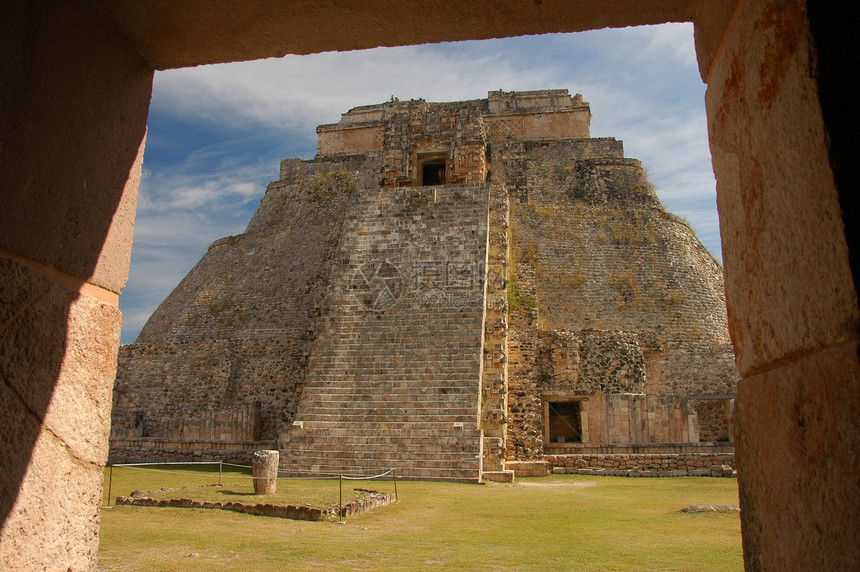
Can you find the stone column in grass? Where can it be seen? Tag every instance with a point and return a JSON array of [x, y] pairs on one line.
[[265, 472]]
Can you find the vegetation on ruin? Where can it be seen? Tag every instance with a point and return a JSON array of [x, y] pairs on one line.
[[522, 252], [326, 185], [559, 522], [681, 220], [626, 289], [517, 299]]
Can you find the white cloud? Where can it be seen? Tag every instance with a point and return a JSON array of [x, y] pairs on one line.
[[300, 92], [642, 83]]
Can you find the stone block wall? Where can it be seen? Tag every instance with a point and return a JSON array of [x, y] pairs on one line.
[[451, 132], [205, 390], [633, 464], [494, 374], [714, 414], [615, 305], [157, 450]]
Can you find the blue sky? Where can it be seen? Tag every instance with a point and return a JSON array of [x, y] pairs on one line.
[[216, 134]]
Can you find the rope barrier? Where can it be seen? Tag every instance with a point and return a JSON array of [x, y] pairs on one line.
[[168, 463], [388, 472], [323, 476], [163, 471], [226, 464]]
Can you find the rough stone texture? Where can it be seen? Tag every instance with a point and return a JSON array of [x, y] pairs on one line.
[[789, 291], [53, 173], [62, 418], [227, 32], [292, 512], [371, 320], [710, 508], [647, 461], [792, 303], [494, 374], [44, 77], [74, 98], [367, 502], [222, 357], [151, 450], [266, 472], [798, 432], [611, 299]]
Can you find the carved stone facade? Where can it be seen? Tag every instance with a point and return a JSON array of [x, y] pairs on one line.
[[458, 290]]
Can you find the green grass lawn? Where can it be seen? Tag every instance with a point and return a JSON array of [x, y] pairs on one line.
[[561, 522]]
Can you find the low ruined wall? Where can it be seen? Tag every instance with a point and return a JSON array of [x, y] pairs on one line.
[[149, 450], [689, 460]]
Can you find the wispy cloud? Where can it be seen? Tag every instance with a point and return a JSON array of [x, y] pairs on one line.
[[217, 133]]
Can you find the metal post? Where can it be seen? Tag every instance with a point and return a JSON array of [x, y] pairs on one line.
[[394, 472], [340, 501], [110, 484], [220, 469]]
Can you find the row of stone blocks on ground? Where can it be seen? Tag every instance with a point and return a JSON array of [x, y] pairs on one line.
[[369, 500]]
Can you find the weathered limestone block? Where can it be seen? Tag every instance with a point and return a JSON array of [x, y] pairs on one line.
[[266, 472], [797, 428], [788, 281], [58, 393]]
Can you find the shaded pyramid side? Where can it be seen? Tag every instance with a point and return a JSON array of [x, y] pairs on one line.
[[221, 356]]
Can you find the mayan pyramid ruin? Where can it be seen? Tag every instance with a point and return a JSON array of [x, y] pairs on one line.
[[459, 290]]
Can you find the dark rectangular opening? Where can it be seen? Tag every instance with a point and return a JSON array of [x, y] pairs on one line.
[[433, 172], [564, 422]]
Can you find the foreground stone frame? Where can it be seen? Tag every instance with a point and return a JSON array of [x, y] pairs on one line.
[[76, 83]]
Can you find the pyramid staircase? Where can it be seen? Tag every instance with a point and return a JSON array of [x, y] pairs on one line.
[[394, 375]]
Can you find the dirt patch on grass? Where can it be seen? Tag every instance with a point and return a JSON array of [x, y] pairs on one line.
[[571, 484]]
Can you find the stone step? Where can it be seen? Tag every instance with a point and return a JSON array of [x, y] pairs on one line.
[[391, 391], [394, 408], [379, 458], [394, 398], [386, 389], [416, 441], [415, 374], [397, 409], [309, 456], [386, 441], [403, 472], [504, 476], [385, 425], [391, 423], [391, 413], [376, 394], [345, 459]]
